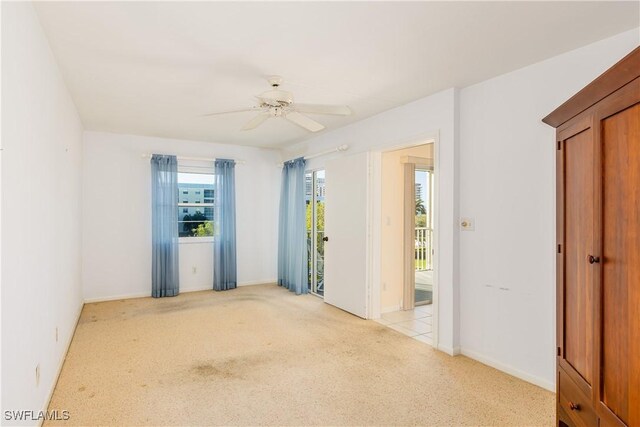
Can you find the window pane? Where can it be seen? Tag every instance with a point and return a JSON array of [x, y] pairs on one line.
[[195, 221], [196, 229]]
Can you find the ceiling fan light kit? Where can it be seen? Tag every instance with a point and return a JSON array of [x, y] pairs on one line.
[[278, 103]]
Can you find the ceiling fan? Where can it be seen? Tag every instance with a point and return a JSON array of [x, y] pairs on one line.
[[279, 103]]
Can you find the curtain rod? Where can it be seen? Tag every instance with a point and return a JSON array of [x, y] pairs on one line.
[[201, 159], [343, 147]]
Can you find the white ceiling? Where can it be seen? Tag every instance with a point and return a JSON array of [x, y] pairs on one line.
[[153, 68]]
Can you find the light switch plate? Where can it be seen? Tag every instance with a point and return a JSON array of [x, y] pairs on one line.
[[467, 224]]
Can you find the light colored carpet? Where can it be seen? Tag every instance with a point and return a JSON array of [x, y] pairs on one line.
[[259, 355]]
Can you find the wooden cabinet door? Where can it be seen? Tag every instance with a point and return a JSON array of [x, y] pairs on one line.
[[618, 323], [576, 216]]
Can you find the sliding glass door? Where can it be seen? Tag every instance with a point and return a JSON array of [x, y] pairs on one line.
[[424, 186], [314, 196]]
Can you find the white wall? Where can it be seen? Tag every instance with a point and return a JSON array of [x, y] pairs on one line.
[[196, 256], [117, 216], [41, 171], [419, 121], [507, 183]]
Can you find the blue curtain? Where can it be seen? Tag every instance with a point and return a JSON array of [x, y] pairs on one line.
[[292, 233], [164, 198], [225, 275]]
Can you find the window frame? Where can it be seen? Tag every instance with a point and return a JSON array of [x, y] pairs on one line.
[[188, 169]]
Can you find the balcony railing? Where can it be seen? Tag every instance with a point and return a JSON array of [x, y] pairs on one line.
[[424, 248]]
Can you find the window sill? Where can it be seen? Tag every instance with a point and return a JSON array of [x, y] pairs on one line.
[[191, 240]]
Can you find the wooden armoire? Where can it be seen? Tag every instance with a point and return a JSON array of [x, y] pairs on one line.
[[598, 250]]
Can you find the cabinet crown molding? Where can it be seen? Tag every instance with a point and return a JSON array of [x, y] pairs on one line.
[[624, 72]]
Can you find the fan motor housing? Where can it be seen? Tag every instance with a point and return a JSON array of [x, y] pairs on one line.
[[281, 96]]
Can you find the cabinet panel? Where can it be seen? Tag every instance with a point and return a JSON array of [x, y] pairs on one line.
[[578, 241], [574, 403], [621, 264]]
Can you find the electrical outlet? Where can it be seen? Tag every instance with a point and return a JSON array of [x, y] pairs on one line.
[[37, 375], [194, 269], [56, 334]]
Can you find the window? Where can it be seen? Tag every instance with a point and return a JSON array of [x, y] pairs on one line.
[[195, 216]]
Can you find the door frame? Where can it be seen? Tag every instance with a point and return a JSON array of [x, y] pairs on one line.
[[375, 225], [408, 238], [410, 166]]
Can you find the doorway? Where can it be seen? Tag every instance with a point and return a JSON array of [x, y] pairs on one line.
[[407, 241], [315, 201]]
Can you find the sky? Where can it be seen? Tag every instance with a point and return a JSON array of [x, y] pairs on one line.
[[421, 178], [195, 178]]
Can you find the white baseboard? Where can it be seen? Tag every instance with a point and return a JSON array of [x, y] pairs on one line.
[[47, 401], [451, 351], [182, 291], [117, 297], [540, 382], [259, 282]]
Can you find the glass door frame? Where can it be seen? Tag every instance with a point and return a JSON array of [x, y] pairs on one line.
[[428, 254], [313, 261]]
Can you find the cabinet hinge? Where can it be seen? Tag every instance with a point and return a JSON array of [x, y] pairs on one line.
[[559, 352], [559, 249], [559, 145]]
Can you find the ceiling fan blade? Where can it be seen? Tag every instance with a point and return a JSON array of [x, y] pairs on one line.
[[256, 121], [338, 110], [303, 121], [232, 111]]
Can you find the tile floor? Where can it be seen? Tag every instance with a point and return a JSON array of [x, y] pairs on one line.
[[415, 323]]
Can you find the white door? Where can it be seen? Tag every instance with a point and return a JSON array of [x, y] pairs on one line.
[[346, 208]]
